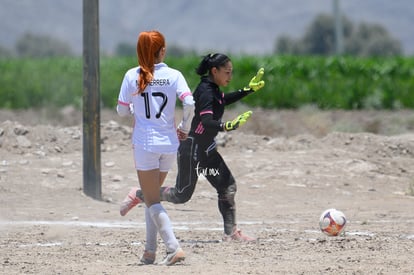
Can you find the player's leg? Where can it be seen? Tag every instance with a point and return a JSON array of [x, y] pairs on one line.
[[142, 163], [150, 182], [151, 229], [151, 239], [163, 223], [186, 174], [222, 180]]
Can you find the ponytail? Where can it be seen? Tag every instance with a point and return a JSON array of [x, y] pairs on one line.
[[210, 61], [148, 48]]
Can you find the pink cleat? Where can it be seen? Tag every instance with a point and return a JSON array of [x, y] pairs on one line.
[[237, 235], [130, 201]]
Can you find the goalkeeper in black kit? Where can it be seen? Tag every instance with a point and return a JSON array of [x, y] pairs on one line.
[[197, 153]]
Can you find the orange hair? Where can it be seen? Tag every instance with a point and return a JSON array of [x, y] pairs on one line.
[[148, 48]]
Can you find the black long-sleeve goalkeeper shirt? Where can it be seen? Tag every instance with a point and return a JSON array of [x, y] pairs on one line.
[[209, 110]]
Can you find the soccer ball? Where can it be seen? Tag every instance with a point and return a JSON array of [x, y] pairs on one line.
[[332, 222]]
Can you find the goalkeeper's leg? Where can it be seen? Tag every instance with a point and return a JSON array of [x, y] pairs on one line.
[[223, 181]]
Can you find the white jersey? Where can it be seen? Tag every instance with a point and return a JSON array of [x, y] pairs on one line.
[[154, 109]]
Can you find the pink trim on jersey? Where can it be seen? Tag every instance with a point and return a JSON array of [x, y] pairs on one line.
[[184, 95], [206, 112], [123, 103], [222, 97], [199, 129]]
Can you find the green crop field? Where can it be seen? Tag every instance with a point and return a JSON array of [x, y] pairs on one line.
[[291, 81]]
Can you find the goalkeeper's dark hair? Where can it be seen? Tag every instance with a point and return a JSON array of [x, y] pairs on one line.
[[210, 61]]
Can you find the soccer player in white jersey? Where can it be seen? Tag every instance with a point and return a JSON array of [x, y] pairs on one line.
[[149, 92]]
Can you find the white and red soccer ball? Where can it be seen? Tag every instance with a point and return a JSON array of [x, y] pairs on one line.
[[332, 222]]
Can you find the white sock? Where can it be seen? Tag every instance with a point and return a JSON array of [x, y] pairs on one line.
[[151, 232], [163, 223]]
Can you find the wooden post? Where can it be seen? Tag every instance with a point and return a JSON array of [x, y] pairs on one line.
[[91, 101]]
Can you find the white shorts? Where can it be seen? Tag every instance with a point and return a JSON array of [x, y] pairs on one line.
[[146, 160]]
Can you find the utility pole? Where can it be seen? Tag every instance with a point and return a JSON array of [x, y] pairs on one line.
[[339, 47], [91, 100]]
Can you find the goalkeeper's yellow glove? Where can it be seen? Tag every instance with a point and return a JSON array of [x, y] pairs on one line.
[[256, 83], [237, 122]]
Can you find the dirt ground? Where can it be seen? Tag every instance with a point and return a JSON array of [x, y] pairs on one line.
[[289, 166]]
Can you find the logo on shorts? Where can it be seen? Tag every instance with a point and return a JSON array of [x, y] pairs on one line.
[[206, 171]]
